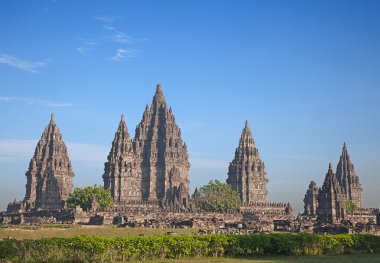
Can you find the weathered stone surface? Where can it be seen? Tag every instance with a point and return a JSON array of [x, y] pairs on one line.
[[348, 179], [311, 200], [50, 175], [337, 190], [331, 199], [154, 167], [247, 174], [122, 173], [163, 154]]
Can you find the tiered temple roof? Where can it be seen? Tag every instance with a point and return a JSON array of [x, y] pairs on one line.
[[50, 175], [247, 174]]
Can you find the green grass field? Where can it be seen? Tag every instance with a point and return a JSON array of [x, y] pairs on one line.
[[47, 231]]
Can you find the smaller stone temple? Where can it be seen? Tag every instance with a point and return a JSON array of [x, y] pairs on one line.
[[50, 175], [328, 203], [122, 173], [331, 199], [247, 174], [311, 200], [346, 175]]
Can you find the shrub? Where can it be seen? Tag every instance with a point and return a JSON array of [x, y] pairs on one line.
[[118, 249]]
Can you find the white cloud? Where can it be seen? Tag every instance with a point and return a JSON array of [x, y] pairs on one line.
[[42, 103], [89, 41], [25, 65], [107, 19], [119, 36], [122, 54]]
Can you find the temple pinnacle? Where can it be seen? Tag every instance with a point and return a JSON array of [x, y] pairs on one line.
[[159, 96], [122, 118], [52, 120], [159, 88]]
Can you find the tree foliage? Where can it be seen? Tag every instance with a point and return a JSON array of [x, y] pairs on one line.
[[217, 196], [351, 207], [84, 197]]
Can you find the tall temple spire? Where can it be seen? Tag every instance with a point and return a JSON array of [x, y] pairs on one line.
[[247, 173], [164, 158], [121, 171], [246, 125], [346, 175], [50, 176]]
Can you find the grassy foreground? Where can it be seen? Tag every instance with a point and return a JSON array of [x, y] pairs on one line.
[[49, 231], [194, 248], [352, 258]]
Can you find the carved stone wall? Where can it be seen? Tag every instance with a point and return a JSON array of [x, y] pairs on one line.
[[331, 199], [348, 179], [337, 190], [50, 176], [122, 173], [155, 166], [311, 200], [247, 174]]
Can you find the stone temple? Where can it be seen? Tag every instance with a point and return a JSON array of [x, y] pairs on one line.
[[346, 175], [331, 199], [328, 203], [247, 173], [154, 167], [148, 178], [50, 175], [311, 199], [122, 174], [247, 176]]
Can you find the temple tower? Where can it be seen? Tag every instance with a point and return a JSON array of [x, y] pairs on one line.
[[311, 200], [331, 199], [163, 154], [247, 174], [50, 175], [122, 174], [348, 179]]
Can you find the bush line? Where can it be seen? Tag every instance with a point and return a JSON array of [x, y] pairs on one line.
[[119, 249]]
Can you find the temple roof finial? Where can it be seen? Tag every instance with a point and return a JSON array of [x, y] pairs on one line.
[[122, 117], [52, 119], [246, 124], [159, 88], [159, 96]]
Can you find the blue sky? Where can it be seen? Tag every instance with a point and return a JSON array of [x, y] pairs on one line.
[[306, 75]]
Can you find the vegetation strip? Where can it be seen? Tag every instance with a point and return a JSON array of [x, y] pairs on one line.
[[117, 249]]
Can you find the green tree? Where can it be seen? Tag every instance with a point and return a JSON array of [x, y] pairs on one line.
[[84, 196], [217, 196], [351, 207]]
